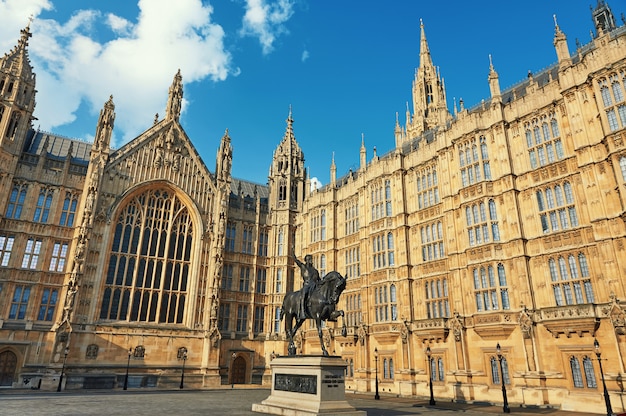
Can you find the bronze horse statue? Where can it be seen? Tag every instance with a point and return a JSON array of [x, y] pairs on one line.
[[321, 306]]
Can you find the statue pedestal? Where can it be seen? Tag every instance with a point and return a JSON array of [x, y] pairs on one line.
[[307, 385]]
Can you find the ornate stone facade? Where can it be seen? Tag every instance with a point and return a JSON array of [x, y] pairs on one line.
[[500, 224]]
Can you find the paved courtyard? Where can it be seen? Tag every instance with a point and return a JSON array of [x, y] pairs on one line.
[[234, 402]]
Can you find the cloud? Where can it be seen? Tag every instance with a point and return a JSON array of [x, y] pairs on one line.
[[136, 65], [315, 184], [305, 55], [266, 21]]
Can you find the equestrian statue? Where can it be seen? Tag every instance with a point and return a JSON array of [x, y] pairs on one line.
[[316, 300]]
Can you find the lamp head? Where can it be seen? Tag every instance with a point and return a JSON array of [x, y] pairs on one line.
[[498, 350], [596, 346], [67, 350]]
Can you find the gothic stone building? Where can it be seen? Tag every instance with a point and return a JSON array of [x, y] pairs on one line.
[[490, 235]]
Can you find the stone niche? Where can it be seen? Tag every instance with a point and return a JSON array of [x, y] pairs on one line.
[[307, 385]]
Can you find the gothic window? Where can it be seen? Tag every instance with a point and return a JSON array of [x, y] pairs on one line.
[[139, 352], [381, 200], [490, 291], [31, 254], [92, 352], [19, 302], [427, 188], [322, 267], [58, 258], [231, 231], [244, 278], [481, 228], [261, 280], [279, 281], [622, 166], [385, 301], [16, 201], [352, 217], [543, 141], [587, 369], [42, 210], [49, 298], [248, 240], [382, 251], [263, 239], [432, 241], [318, 226], [612, 95], [276, 320], [353, 261], [557, 210], [474, 165], [6, 245], [571, 282], [495, 371], [223, 320], [437, 300], [227, 277], [259, 319], [281, 241], [13, 124], [69, 210], [150, 258], [242, 318]]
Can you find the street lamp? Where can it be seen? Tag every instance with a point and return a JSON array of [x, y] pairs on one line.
[[505, 407], [232, 366], [67, 351], [130, 352], [607, 399], [430, 370], [182, 374], [376, 396]]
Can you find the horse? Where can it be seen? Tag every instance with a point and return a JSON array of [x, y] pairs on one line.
[[321, 306]]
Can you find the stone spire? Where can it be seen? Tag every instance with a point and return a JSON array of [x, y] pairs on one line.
[[17, 94], [175, 98], [494, 83], [363, 152], [224, 159], [560, 44], [333, 170], [429, 98], [104, 128]]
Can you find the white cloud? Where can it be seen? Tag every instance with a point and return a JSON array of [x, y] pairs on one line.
[[315, 184], [136, 66], [266, 21], [305, 55]]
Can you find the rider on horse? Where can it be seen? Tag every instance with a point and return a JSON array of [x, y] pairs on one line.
[[311, 277]]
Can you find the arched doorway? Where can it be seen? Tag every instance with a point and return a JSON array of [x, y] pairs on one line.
[[8, 364], [238, 374]]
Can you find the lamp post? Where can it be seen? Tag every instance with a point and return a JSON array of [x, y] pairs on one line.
[[232, 365], [430, 376], [130, 352], [67, 351], [505, 407], [376, 396], [607, 399], [182, 374]]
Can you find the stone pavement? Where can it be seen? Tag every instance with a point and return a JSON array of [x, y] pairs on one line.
[[225, 401]]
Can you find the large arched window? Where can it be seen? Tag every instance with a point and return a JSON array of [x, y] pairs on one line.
[[146, 278]]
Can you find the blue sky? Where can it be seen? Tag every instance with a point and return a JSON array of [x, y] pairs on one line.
[[345, 67]]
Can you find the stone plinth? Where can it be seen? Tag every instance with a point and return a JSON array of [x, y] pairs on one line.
[[307, 385]]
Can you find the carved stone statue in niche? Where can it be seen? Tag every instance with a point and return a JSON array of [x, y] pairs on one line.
[[526, 322], [618, 318], [362, 333], [456, 325]]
